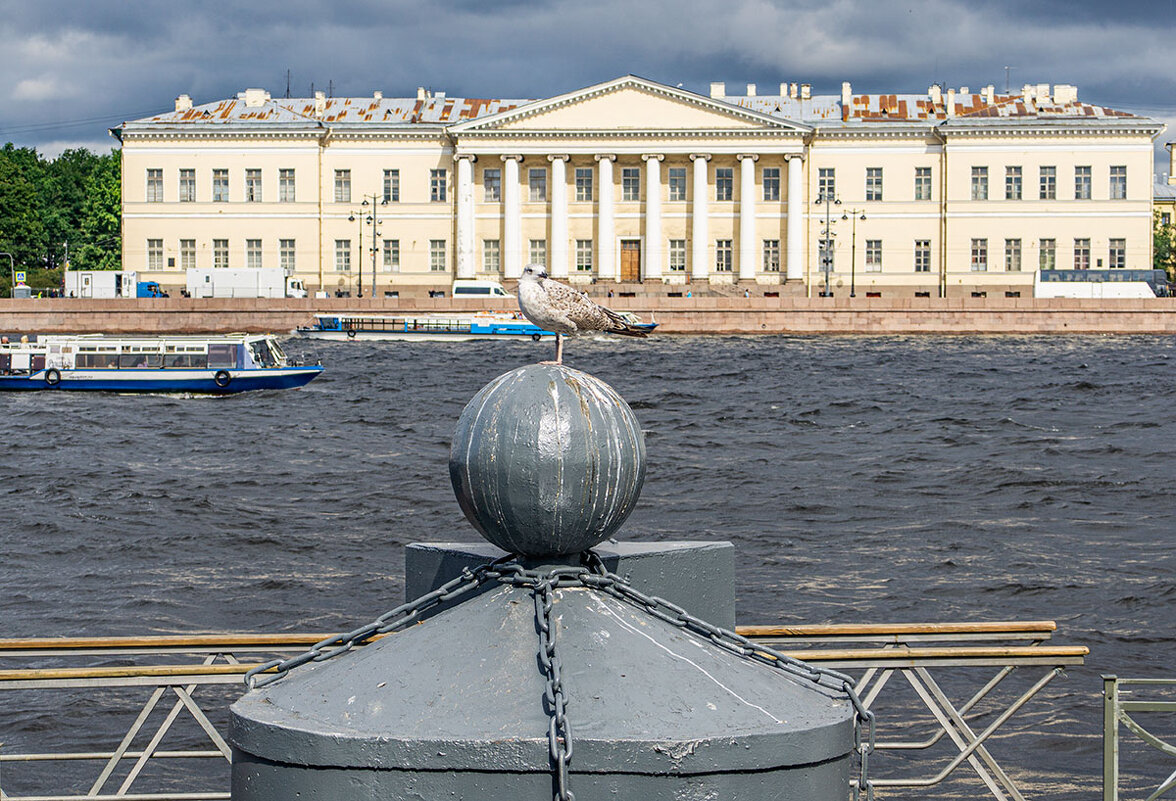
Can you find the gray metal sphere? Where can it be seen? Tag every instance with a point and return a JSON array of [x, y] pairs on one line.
[[547, 461]]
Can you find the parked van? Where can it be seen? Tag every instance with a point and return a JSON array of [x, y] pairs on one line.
[[468, 287]]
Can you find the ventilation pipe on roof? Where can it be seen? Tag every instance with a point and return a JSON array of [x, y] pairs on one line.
[[718, 90], [846, 94], [950, 105], [806, 91], [751, 90], [184, 103], [320, 104], [378, 95], [989, 94]]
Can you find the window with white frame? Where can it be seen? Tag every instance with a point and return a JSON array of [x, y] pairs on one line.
[[826, 184], [187, 186], [253, 254], [1048, 180], [873, 183], [979, 255], [1081, 254], [252, 185], [220, 186], [343, 186], [391, 186], [771, 180], [630, 183], [1117, 255], [154, 185], [677, 255], [979, 183], [873, 255], [724, 256], [537, 182], [583, 255], [922, 255], [724, 183], [1082, 183], [677, 183], [1013, 184], [492, 184], [1047, 257], [286, 185], [771, 255], [583, 184], [1012, 255], [343, 255], [438, 185], [154, 254], [438, 259], [1119, 182], [391, 251], [537, 251], [491, 256], [220, 253], [286, 258], [187, 254], [922, 183]]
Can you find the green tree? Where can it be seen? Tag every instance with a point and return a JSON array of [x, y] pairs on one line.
[[63, 197], [1164, 246], [22, 229], [100, 223]]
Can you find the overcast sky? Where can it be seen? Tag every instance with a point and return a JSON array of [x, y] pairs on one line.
[[70, 69]]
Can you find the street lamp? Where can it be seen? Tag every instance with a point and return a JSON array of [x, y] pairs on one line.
[[373, 220], [12, 267], [853, 213], [827, 254]]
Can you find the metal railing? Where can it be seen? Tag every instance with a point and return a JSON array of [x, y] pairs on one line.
[[1124, 701]]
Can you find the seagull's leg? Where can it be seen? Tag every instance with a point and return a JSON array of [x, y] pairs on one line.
[[559, 348]]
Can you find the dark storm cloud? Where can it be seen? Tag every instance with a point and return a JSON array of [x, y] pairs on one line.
[[71, 68]]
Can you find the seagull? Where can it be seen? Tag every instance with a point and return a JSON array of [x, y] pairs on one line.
[[555, 307]]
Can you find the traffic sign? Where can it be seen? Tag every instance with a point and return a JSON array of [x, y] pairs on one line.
[[20, 276]]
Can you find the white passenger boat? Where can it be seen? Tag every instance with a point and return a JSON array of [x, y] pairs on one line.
[[215, 364], [436, 327]]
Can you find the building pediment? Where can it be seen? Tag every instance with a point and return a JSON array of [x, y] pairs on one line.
[[628, 103]]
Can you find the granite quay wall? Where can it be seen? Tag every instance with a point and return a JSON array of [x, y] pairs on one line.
[[701, 315]]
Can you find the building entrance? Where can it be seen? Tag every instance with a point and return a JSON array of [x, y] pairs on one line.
[[630, 259]]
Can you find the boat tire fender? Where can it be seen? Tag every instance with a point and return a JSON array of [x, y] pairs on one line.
[[222, 378], [52, 376], [351, 333], [536, 337]]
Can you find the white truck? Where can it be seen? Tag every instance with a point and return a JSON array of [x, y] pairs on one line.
[[224, 282]]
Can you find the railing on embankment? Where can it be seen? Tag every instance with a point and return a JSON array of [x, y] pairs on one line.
[[110, 718], [699, 315]]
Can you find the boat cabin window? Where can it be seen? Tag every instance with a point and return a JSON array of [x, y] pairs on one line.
[[140, 360], [182, 360], [220, 356], [95, 358], [262, 356]]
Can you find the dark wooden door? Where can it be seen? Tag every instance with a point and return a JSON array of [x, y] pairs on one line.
[[630, 259]]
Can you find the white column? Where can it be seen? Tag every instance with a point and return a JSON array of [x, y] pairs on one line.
[[558, 253], [795, 228], [466, 259], [700, 242], [512, 249], [747, 240], [606, 267], [652, 263]]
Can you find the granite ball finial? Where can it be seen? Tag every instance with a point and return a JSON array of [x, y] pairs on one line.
[[547, 461]]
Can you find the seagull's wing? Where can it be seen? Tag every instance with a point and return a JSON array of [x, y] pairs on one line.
[[586, 315]]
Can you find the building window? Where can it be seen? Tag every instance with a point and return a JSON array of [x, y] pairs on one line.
[[154, 254], [252, 186], [391, 255], [1165, 218], [1119, 183], [922, 183], [771, 256], [1049, 183], [1013, 183], [286, 255], [979, 255], [253, 253], [1012, 255], [583, 255], [979, 183], [678, 254], [922, 255], [771, 177], [873, 183], [220, 186], [220, 253], [154, 186], [491, 256], [343, 255], [1082, 183], [724, 183], [826, 184], [538, 252], [1117, 256], [286, 185], [438, 263], [187, 254], [492, 185], [873, 255], [630, 183], [537, 180], [187, 186], [1048, 257], [1081, 254], [677, 183], [391, 186], [584, 184], [438, 184], [342, 186], [724, 256]]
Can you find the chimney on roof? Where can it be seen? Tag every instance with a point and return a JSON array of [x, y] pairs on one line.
[[439, 95], [421, 93], [792, 90], [989, 94], [320, 104], [949, 106], [846, 94], [1171, 164], [965, 90], [806, 91], [751, 90], [254, 97], [783, 90], [935, 93], [1065, 93], [718, 90], [1043, 91], [378, 95], [184, 103]]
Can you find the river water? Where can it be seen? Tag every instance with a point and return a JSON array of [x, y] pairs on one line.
[[861, 480]]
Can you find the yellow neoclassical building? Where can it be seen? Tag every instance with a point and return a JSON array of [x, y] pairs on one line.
[[943, 193]]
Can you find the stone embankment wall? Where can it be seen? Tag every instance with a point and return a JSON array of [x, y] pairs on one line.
[[701, 315]]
